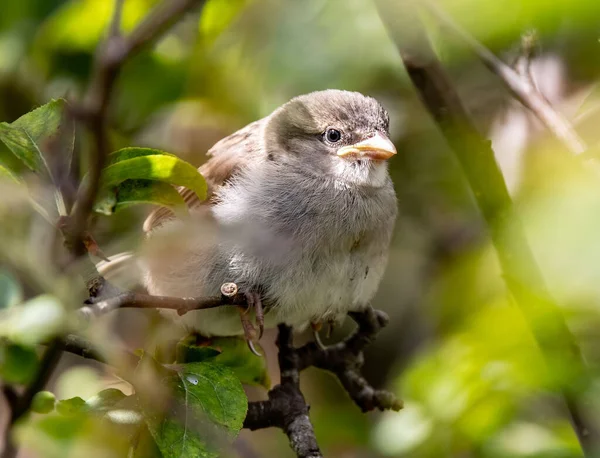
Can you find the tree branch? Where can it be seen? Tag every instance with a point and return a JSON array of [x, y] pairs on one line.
[[110, 58], [286, 407], [476, 157], [137, 300], [346, 359], [521, 86]]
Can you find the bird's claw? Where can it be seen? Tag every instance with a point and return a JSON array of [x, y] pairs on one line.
[[254, 301], [316, 327]]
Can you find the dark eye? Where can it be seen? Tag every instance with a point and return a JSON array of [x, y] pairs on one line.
[[333, 135]]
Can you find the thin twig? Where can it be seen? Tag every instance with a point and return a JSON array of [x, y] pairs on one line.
[[111, 56], [523, 89], [476, 157], [138, 300]]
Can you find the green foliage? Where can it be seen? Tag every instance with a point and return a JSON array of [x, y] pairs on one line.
[[18, 363], [145, 175], [28, 137], [43, 402], [212, 407], [78, 434], [217, 15], [227, 351]]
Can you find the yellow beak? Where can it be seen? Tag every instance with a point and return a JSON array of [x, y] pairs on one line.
[[378, 147]]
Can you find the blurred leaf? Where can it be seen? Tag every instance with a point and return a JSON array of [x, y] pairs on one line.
[[130, 153], [34, 321], [217, 15], [214, 405], [6, 173], [228, 351], [189, 352], [11, 292], [140, 166], [77, 435], [132, 192], [105, 399], [250, 369], [71, 406], [18, 364], [80, 24], [43, 402], [28, 136]]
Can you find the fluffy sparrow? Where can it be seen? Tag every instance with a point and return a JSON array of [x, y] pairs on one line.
[[300, 214]]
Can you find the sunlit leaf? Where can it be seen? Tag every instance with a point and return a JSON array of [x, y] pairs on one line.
[[29, 135], [80, 24], [18, 364], [144, 175], [212, 408], [132, 192]]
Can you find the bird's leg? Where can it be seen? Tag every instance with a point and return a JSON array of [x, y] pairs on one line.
[[254, 302], [316, 327]]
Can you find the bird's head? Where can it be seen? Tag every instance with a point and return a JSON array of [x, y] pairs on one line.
[[344, 135]]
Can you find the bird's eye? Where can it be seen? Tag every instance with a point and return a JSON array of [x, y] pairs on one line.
[[333, 135]]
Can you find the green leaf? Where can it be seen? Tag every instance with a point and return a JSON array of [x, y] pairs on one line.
[[228, 351], [18, 364], [8, 174], [132, 192], [145, 175], [105, 400], [11, 292], [71, 406], [214, 405], [130, 153], [217, 15], [37, 320], [43, 402], [81, 434], [27, 137], [189, 352]]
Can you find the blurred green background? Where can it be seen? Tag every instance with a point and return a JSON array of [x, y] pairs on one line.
[[457, 351]]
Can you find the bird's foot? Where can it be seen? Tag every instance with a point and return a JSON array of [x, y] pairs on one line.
[[254, 301]]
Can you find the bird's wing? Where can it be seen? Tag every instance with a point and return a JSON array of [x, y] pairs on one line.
[[226, 158]]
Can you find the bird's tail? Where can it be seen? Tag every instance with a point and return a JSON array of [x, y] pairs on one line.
[[122, 270]]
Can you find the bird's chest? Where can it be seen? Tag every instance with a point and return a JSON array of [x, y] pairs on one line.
[[313, 252]]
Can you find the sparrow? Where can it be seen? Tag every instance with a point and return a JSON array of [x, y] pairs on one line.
[[299, 215]]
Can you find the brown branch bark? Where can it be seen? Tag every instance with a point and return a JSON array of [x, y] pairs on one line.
[[137, 300], [523, 277], [286, 407]]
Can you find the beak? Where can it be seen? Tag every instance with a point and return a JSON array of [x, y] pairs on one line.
[[378, 147]]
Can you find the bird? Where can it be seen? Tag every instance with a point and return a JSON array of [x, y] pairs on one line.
[[299, 215]]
